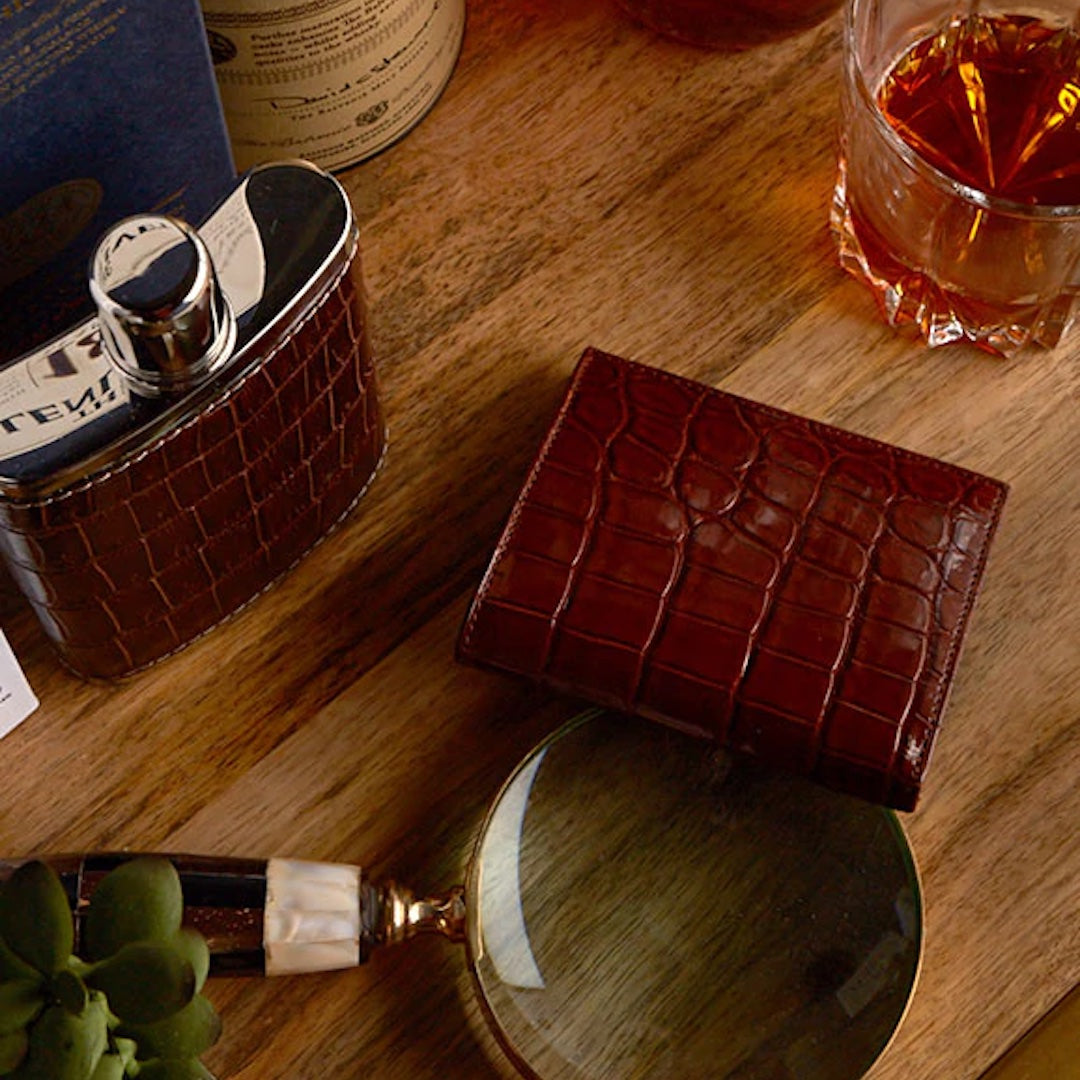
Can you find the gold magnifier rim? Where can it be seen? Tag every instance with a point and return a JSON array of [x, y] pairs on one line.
[[473, 920]]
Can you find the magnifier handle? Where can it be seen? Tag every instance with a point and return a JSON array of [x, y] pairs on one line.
[[260, 916]]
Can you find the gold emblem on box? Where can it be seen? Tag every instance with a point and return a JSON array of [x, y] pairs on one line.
[[38, 230]]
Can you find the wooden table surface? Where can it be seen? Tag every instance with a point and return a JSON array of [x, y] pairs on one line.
[[582, 182]]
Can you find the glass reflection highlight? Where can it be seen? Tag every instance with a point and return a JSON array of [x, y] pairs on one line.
[[504, 938]]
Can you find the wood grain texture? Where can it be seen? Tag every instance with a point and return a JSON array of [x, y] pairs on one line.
[[1051, 1048], [584, 182]]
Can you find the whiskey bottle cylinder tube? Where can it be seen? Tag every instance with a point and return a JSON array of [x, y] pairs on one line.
[[332, 81], [712, 912]]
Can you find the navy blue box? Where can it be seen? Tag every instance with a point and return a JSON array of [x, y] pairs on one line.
[[107, 108]]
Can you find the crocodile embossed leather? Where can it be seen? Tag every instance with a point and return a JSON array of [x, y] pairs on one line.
[[129, 566], [795, 592]]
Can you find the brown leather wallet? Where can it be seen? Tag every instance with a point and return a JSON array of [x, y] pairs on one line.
[[793, 591]]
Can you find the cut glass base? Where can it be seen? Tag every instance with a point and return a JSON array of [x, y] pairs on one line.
[[908, 297]]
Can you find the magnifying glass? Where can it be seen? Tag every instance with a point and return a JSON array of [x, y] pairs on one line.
[[634, 907]]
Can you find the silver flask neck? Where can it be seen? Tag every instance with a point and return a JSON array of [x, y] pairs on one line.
[[165, 321]]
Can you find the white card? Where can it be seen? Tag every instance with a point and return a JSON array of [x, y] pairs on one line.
[[17, 700]]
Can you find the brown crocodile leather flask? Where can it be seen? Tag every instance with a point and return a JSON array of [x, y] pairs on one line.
[[165, 461]]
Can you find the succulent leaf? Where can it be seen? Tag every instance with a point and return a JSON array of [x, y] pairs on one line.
[[125, 1048], [13, 1046], [79, 966], [136, 901], [109, 1067], [187, 1033], [35, 917], [63, 1046], [11, 967], [175, 1069], [70, 991], [192, 945], [20, 1003], [98, 1000], [145, 982]]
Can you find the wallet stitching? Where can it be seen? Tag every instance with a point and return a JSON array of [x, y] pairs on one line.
[[978, 565], [519, 505], [828, 429]]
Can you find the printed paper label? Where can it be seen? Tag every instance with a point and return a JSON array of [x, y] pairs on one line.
[[332, 81], [17, 700]]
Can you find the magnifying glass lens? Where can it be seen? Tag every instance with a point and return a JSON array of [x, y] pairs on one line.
[[637, 909]]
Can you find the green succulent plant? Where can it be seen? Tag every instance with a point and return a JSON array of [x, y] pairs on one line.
[[131, 1006]]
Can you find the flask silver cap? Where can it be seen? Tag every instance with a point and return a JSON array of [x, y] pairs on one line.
[[165, 321]]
